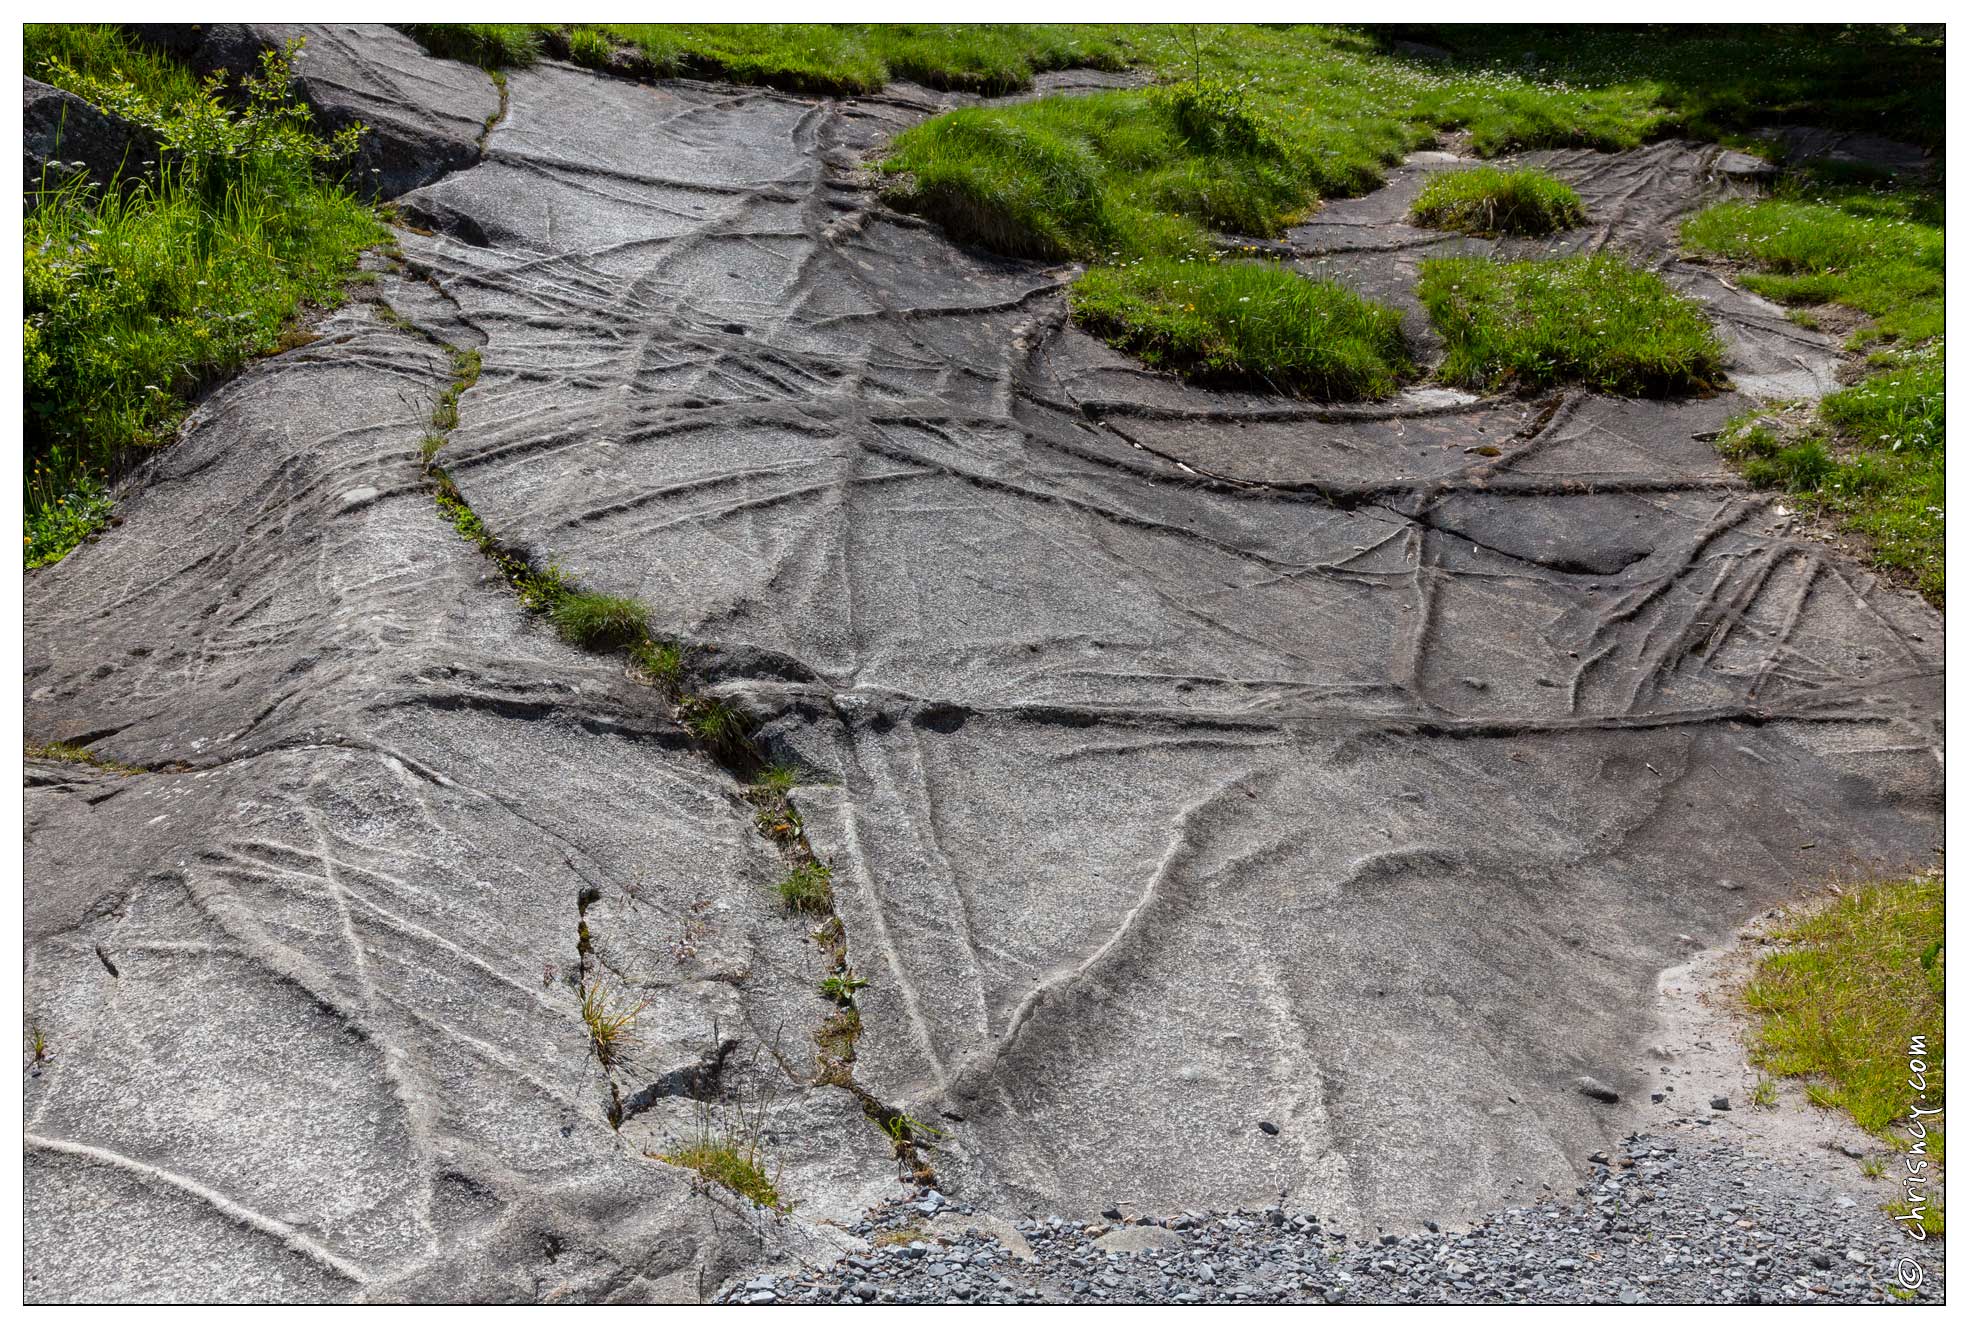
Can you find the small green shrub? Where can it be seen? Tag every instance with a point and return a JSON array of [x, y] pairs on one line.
[[808, 889], [1489, 201], [1594, 320], [599, 622], [1259, 324]]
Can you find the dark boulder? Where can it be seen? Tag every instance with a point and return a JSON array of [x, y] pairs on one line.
[[63, 137]]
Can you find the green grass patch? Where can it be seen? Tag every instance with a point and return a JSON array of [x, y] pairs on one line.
[[838, 59], [808, 889], [69, 55], [1877, 250], [598, 622], [1841, 1004], [1490, 201], [1873, 460], [136, 299], [1707, 80], [1873, 463], [487, 45], [1258, 324], [1594, 320]]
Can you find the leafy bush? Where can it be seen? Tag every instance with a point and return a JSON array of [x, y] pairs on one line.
[[1594, 320], [1489, 201], [135, 298]]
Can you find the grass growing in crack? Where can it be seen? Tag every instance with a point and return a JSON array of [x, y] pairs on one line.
[[1765, 1094], [1841, 1004], [1490, 201], [465, 369], [662, 662], [136, 298], [841, 988], [1594, 320], [837, 1035], [732, 1160], [611, 1024], [599, 622], [720, 726], [808, 889], [75, 752], [1258, 324]]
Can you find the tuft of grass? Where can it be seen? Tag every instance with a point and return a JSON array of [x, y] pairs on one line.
[[1593, 319], [1259, 324], [730, 1159], [589, 46], [611, 1025], [897, 1236], [599, 622], [1841, 1004], [662, 662], [808, 889], [487, 45], [1765, 1094], [720, 726], [1488, 201]]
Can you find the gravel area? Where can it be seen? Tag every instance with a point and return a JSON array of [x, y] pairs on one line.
[[1664, 1220]]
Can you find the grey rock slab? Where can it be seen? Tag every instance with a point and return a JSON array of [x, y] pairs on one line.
[[1136, 717], [341, 1053], [1145, 760]]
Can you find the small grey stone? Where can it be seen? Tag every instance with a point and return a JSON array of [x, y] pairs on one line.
[[1594, 1089]]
